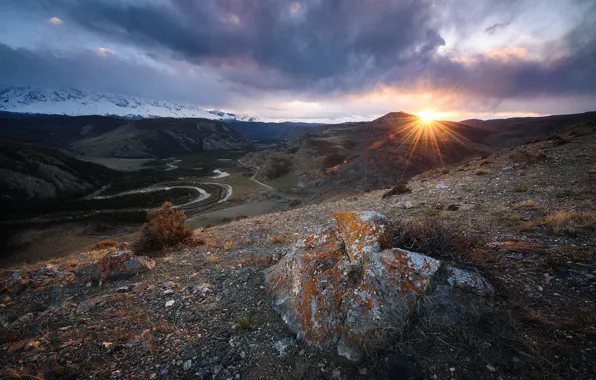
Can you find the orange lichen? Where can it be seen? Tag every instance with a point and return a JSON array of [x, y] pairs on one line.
[[362, 231]]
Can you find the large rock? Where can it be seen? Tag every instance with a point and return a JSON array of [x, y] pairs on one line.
[[121, 264], [340, 285]]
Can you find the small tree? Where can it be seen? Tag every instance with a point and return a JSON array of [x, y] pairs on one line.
[[164, 228]]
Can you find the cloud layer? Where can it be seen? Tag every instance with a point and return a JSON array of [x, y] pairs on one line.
[[245, 55]]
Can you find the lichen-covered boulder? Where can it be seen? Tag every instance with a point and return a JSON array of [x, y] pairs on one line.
[[338, 286], [307, 286], [363, 232], [121, 264]]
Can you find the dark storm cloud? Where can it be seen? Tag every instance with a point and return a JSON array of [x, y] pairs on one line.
[[311, 47], [312, 41], [86, 70]]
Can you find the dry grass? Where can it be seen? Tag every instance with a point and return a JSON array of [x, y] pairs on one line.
[[520, 189], [228, 245], [213, 259], [565, 222], [528, 204], [434, 237], [277, 239], [512, 217], [246, 322]]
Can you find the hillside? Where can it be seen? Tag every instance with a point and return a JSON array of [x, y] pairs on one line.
[[370, 155], [524, 218], [505, 133], [73, 102], [99, 136], [262, 131], [31, 172]]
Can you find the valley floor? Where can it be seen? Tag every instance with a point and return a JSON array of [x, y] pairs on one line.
[[531, 210]]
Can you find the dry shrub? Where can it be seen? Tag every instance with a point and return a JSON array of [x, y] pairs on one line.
[[213, 259], [400, 188], [164, 228], [100, 245], [247, 322], [276, 239], [434, 237]]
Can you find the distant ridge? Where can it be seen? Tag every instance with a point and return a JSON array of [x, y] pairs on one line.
[[74, 102]]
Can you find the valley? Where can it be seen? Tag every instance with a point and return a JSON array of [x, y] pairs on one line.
[[510, 201], [69, 172]]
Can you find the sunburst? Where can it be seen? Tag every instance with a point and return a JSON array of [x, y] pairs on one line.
[[424, 132], [428, 116]]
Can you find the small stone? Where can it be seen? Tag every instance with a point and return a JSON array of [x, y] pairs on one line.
[[170, 284], [336, 374], [283, 345], [153, 376], [203, 374], [140, 287], [301, 352], [452, 369], [170, 303], [540, 288], [363, 371], [123, 289], [491, 368], [187, 365], [168, 292], [243, 354], [163, 371], [515, 359]]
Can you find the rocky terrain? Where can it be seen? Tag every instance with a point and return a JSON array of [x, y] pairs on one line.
[[522, 219]]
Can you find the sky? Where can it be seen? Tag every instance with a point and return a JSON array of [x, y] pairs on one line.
[[313, 60]]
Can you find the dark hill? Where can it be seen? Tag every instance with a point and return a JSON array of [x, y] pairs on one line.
[[31, 172], [101, 136]]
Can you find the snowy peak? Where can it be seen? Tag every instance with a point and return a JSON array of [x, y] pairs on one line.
[[73, 102]]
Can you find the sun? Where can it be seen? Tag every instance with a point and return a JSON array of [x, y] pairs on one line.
[[428, 115]]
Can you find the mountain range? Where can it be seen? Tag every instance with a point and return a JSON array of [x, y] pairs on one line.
[[74, 102]]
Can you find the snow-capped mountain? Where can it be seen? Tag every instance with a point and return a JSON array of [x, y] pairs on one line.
[[73, 102]]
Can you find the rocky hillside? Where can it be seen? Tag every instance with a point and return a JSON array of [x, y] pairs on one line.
[[98, 136], [369, 155], [522, 219], [338, 159], [506, 133]]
